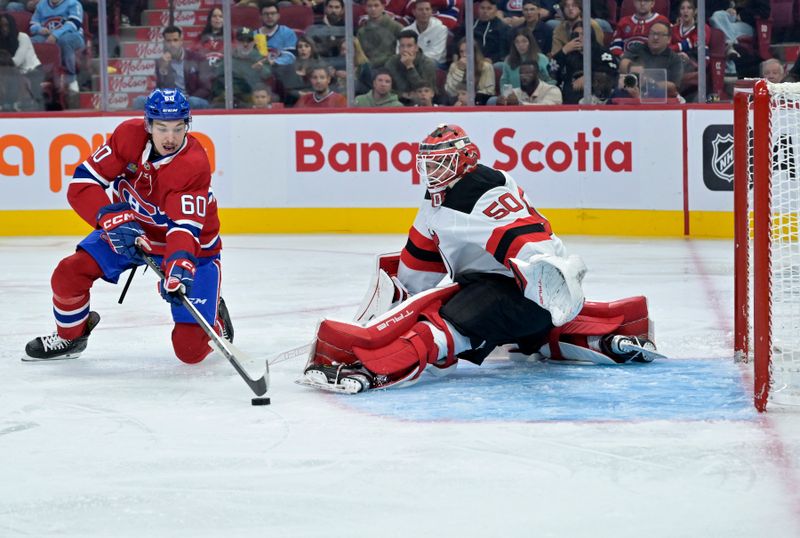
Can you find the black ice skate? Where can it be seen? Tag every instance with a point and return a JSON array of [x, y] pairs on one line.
[[624, 348], [225, 320], [342, 378], [53, 347]]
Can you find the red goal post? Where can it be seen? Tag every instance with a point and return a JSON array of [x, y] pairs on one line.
[[767, 250]]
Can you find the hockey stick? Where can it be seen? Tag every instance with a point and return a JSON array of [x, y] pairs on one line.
[[228, 350]]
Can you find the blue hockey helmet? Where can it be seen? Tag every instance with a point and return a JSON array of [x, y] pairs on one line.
[[167, 104]]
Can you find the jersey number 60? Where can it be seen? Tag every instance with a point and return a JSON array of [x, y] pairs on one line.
[[193, 205]]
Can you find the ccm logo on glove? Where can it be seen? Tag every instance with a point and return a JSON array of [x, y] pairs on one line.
[[113, 220]]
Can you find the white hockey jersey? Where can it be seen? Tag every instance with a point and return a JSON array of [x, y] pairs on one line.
[[485, 221]]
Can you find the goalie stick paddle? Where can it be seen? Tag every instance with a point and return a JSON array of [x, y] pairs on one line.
[[228, 350]]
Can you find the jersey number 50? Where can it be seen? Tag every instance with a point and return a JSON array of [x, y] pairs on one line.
[[503, 206]]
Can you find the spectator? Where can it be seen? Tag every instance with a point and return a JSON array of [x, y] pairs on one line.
[[531, 14], [21, 72], [567, 66], [448, 12], [381, 94], [248, 69], [523, 47], [13, 6], [794, 73], [279, 41], [773, 70], [378, 35], [424, 94], [490, 32], [209, 43], [328, 35], [737, 20], [180, 68], [684, 43], [510, 11], [684, 33], [655, 54], [363, 76], [410, 67], [484, 74], [635, 28], [261, 97], [60, 22], [294, 79], [462, 97], [533, 91], [431, 33], [322, 96], [572, 11]]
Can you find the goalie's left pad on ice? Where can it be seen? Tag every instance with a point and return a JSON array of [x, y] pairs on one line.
[[391, 349]]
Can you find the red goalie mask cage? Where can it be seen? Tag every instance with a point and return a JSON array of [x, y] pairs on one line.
[[767, 250]]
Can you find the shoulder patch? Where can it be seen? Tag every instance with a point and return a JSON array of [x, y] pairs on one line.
[[465, 193]]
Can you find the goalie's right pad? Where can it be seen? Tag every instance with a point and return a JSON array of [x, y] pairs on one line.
[[552, 282], [395, 346], [335, 339]]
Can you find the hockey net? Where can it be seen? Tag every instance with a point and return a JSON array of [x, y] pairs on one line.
[[767, 246]]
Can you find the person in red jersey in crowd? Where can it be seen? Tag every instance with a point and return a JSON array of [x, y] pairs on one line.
[[161, 204], [322, 96], [481, 267]]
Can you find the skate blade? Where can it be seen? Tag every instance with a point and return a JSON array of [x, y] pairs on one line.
[[328, 387], [26, 358], [647, 355]]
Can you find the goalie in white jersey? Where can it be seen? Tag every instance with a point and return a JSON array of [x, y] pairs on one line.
[[512, 282]]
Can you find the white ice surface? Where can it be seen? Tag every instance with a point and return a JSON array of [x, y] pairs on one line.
[[127, 441]]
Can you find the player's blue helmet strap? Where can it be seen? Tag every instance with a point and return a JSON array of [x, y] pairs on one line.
[[167, 104]]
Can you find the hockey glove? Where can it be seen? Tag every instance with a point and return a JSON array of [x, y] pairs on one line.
[[179, 271], [121, 231]]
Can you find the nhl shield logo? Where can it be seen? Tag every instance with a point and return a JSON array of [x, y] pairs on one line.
[[718, 157], [722, 157]]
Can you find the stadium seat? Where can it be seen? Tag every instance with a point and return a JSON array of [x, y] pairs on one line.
[[612, 12], [358, 11], [627, 8], [297, 17], [52, 88], [245, 16], [23, 20], [782, 13], [716, 63]]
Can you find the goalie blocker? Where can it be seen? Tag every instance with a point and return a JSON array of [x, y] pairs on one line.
[[439, 326]]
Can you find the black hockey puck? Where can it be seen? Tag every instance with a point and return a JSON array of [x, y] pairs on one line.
[[260, 401]]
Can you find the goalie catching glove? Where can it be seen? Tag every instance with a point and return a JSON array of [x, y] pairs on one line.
[[122, 231], [179, 271], [552, 282]]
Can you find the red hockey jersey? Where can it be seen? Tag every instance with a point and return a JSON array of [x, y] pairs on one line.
[[170, 195], [632, 29]]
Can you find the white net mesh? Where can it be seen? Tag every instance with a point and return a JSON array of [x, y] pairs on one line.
[[785, 248]]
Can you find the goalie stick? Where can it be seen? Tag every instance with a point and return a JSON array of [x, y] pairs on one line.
[[228, 350]]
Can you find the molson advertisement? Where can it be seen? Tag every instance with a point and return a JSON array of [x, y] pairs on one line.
[[580, 165]]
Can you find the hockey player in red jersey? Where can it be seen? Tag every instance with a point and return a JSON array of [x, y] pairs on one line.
[[161, 203], [512, 283]]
